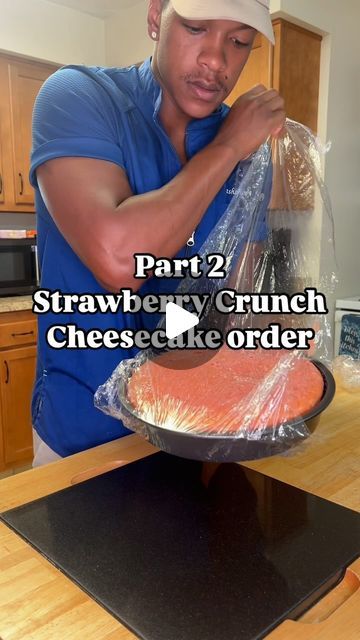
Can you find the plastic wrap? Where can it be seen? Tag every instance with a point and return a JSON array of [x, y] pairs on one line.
[[347, 372], [238, 403]]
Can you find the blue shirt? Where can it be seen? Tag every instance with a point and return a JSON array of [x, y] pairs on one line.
[[108, 114]]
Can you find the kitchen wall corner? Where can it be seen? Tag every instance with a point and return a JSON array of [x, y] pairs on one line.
[[53, 33]]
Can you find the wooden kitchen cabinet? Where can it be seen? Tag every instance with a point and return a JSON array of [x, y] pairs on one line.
[[20, 82], [2, 186], [17, 373], [292, 67]]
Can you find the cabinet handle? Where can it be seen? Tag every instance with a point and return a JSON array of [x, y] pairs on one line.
[[1, 183], [26, 333], [21, 184], [7, 372]]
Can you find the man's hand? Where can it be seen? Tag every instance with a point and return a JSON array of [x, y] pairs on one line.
[[254, 116]]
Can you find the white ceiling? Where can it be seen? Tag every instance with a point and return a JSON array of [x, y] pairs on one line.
[[98, 8]]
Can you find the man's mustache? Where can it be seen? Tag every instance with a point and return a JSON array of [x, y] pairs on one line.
[[214, 84]]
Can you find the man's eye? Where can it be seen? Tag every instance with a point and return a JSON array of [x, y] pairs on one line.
[[239, 44], [193, 30]]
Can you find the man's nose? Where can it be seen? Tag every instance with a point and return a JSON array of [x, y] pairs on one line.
[[213, 56]]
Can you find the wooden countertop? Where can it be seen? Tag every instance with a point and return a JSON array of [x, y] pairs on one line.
[[37, 602]]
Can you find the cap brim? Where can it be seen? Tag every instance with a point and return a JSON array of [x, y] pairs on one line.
[[250, 12]]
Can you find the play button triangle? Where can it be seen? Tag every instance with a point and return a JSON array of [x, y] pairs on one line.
[[178, 320]]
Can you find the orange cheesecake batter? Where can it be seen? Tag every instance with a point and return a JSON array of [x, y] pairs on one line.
[[235, 392]]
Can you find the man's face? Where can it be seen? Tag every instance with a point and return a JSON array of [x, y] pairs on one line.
[[199, 62]]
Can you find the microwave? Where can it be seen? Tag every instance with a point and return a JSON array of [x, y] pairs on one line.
[[19, 272]]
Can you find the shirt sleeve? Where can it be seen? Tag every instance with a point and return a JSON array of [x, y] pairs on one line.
[[75, 116]]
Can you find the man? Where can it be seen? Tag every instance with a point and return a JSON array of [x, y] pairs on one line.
[[132, 161]]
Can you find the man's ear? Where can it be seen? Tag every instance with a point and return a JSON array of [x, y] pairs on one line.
[[154, 18]]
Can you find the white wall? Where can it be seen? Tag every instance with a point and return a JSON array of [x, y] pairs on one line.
[[50, 32], [126, 36]]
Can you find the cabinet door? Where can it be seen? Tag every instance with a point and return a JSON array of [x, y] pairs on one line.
[[17, 379], [257, 70], [25, 81], [2, 182], [6, 173], [296, 74]]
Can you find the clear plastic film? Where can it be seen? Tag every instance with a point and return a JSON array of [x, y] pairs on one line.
[[237, 403], [347, 372]]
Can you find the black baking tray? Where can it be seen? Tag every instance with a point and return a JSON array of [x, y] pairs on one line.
[[226, 448], [180, 550]]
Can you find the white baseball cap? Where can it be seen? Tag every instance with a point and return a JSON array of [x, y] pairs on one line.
[[255, 13]]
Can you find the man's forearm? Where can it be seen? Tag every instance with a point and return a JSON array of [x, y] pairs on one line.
[[160, 222]]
